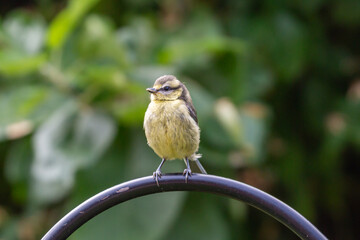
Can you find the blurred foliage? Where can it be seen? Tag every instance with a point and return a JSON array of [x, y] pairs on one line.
[[276, 85]]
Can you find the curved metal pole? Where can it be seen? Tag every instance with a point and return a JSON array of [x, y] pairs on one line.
[[176, 182]]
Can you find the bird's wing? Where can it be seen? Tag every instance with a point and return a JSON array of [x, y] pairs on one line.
[[192, 111], [185, 96]]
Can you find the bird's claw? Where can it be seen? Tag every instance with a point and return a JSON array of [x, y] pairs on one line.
[[156, 175], [187, 172]]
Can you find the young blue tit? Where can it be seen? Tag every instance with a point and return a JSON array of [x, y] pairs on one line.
[[171, 124]]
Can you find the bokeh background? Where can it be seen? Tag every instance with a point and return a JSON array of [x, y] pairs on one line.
[[276, 85]]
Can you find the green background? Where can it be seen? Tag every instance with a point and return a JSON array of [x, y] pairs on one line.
[[276, 85]]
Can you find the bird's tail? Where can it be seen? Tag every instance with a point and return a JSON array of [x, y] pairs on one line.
[[195, 157]]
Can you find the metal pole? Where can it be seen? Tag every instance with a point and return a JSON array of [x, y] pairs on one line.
[[176, 182]]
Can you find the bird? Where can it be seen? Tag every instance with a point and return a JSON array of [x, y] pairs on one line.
[[171, 124]]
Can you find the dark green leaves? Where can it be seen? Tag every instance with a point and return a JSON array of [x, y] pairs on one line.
[[72, 138], [275, 85]]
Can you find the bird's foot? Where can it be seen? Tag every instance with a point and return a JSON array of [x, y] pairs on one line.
[[156, 175], [187, 172]]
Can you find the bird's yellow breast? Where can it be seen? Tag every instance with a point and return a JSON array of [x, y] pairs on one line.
[[170, 130]]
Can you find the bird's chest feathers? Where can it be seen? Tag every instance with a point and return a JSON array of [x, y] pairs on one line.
[[166, 116], [170, 130]]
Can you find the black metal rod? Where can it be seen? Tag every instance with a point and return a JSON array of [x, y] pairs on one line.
[[176, 182]]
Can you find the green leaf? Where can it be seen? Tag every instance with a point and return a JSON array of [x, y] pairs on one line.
[[259, 81], [254, 120], [181, 50], [13, 63], [229, 118], [285, 51], [138, 39], [23, 107], [197, 41], [246, 128], [72, 138], [67, 20], [23, 38], [25, 31], [17, 169], [201, 218], [152, 214], [347, 12], [105, 77], [97, 41]]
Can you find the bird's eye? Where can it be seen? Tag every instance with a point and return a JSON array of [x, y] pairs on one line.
[[166, 88]]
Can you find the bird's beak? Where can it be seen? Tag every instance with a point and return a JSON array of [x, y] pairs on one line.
[[151, 90]]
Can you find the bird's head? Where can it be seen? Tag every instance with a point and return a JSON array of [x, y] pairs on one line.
[[166, 88]]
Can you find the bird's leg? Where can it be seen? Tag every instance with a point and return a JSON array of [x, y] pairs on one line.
[[157, 173], [187, 171]]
